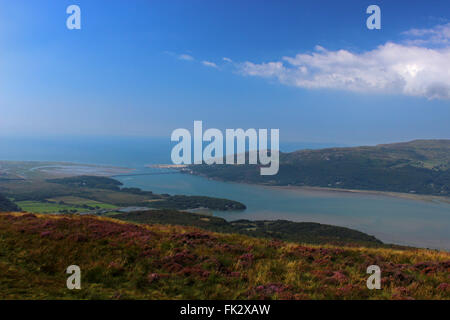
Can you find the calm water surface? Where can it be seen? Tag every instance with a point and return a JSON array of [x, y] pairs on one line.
[[393, 220]]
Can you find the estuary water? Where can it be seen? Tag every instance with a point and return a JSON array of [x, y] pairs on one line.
[[392, 220]]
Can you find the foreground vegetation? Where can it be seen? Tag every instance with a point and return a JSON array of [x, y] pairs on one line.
[[120, 260], [421, 166]]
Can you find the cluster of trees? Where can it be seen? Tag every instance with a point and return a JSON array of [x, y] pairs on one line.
[[89, 182], [303, 232], [190, 202], [7, 205]]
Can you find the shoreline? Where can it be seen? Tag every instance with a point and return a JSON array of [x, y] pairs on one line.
[[61, 169], [400, 195], [417, 197]]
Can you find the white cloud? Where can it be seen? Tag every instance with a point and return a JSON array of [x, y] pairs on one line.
[[209, 64], [269, 69], [227, 59], [408, 68], [439, 35], [186, 57]]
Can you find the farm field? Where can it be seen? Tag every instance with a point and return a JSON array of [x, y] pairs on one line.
[[43, 207]]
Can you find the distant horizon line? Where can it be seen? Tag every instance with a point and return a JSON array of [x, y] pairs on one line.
[[167, 139]]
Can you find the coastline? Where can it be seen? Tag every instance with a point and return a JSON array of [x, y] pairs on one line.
[[418, 197], [401, 195], [27, 169]]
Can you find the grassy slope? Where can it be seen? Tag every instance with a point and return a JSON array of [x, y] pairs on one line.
[[123, 260]]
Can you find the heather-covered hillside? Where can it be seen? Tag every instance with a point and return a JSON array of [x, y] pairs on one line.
[[121, 260]]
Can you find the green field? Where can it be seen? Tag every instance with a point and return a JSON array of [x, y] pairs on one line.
[[63, 204], [42, 207], [76, 201]]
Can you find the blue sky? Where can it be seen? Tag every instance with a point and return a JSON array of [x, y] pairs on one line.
[[145, 68]]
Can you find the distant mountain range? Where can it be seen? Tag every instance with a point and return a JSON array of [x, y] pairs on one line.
[[419, 166]]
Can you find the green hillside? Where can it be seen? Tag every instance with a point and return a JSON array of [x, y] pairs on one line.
[[420, 166]]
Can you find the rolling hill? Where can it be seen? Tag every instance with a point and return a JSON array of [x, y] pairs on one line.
[[420, 166]]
